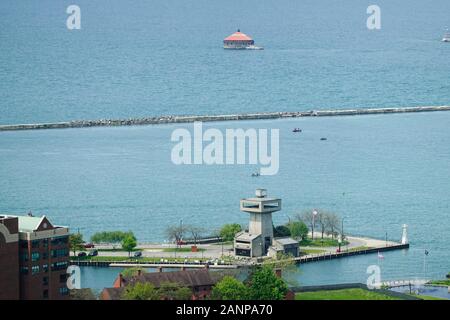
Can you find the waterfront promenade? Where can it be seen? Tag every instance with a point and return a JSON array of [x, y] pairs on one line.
[[209, 118], [221, 256]]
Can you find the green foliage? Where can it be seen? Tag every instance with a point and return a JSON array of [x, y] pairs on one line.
[[228, 231], [445, 282], [129, 272], [174, 291], [265, 285], [344, 294], [298, 229], [146, 291], [129, 243], [230, 288], [281, 231], [76, 242], [110, 236], [141, 291], [325, 242]]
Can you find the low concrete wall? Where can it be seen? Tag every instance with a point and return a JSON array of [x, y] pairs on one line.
[[206, 118]]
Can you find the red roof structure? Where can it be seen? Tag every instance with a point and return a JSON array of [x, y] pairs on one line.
[[238, 36]]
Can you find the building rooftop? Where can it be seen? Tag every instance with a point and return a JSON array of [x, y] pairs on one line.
[[31, 223], [188, 278], [238, 36], [286, 241], [246, 236]]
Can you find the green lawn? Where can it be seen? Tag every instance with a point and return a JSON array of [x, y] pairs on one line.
[[325, 242], [427, 297], [445, 282], [311, 251], [344, 294]]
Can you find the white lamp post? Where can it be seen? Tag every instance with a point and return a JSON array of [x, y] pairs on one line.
[[314, 213]]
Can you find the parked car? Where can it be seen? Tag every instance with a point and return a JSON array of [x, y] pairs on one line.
[[93, 253], [82, 254], [89, 245], [138, 254]]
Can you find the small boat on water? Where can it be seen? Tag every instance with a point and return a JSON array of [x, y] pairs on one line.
[[297, 130], [446, 37], [256, 174], [323, 139], [380, 256]]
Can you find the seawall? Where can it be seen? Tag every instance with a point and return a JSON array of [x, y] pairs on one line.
[[210, 118]]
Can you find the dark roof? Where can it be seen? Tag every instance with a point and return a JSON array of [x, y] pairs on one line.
[[188, 278]]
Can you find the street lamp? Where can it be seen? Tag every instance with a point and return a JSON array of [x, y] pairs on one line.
[[314, 213]]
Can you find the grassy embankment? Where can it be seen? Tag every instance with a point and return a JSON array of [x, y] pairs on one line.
[[344, 294]]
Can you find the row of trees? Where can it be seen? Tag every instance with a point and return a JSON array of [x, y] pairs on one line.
[[127, 240], [177, 233], [328, 222]]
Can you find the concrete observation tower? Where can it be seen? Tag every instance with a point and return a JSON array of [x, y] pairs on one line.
[[257, 241]]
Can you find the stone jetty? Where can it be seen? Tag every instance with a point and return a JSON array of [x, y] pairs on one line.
[[209, 118]]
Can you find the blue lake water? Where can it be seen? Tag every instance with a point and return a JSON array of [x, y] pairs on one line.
[[379, 172], [156, 57]]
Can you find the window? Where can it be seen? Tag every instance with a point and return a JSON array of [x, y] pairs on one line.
[[63, 291], [23, 270], [35, 244], [35, 256], [45, 281], [59, 265], [24, 256], [24, 244], [63, 277], [44, 256], [45, 294], [45, 243], [59, 240], [45, 268], [34, 269], [59, 253]]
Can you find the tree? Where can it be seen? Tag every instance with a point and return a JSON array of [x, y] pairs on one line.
[[298, 230], [265, 285], [174, 291], [333, 223], [309, 219], [228, 231], [76, 242], [229, 288], [129, 243], [175, 233], [321, 218], [281, 231], [129, 272], [141, 291], [113, 237], [195, 232]]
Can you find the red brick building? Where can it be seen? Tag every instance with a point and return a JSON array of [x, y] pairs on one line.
[[9, 258], [200, 282], [36, 256]]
